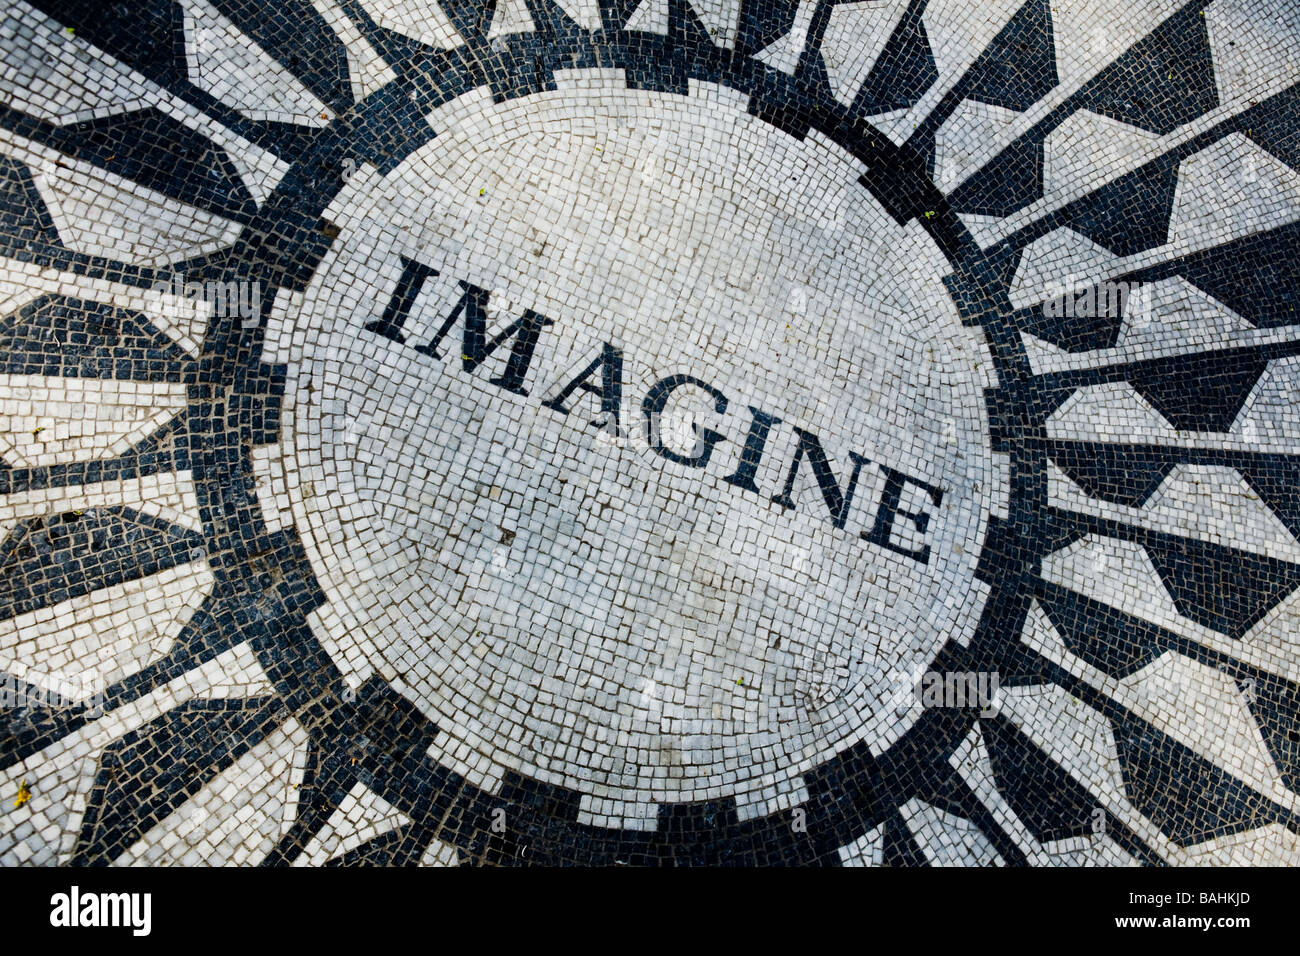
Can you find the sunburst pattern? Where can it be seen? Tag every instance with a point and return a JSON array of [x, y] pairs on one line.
[[188, 681]]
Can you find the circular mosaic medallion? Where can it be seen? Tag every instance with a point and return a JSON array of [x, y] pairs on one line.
[[635, 442], [649, 432]]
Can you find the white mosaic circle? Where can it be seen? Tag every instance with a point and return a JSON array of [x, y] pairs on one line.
[[558, 597]]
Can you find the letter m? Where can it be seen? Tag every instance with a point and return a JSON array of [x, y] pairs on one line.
[[476, 345], [472, 307]]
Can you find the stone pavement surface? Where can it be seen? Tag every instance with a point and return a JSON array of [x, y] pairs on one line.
[[649, 432]]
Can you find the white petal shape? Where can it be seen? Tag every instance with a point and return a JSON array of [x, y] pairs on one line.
[[962, 144], [959, 32], [983, 228], [227, 64], [1043, 356], [1276, 638], [362, 816], [650, 17], [99, 213], [1084, 152], [90, 217], [78, 647], [422, 20], [272, 490], [511, 16], [48, 73], [1203, 709], [1112, 412], [948, 840], [1061, 259], [585, 13], [1076, 737], [1268, 420], [1194, 501], [47, 420], [367, 70], [721, 18], [855, 36], [1230, 189], [440, 854], [61, 775], [184, 321], [1173, 316], [866, 850], [1097, 850], [1254, 49], [1117, 573], [238, 816], [1089, 34]]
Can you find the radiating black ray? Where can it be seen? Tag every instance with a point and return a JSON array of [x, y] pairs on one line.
[[1046, 799], [167, 449], [1011, 181], [1225, 589], [28, 723], [149, 37], [1276, 478], [899, 846], [1128, 475], [1019, 67], [904, 70], [62, 336], [1163, 81], [24, 219], [1200, 392], [1275, 704], [54, 558], [1130, 214], [1120, 474], [1115, 643], [1277, 127], [1257, 276], [471, 18], [151, 772], [1187, 797], [1228, 375], [197, 172]]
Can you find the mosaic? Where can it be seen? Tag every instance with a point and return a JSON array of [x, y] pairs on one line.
[[649, 432]]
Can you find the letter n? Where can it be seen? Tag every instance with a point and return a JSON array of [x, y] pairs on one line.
[[837, 502]]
